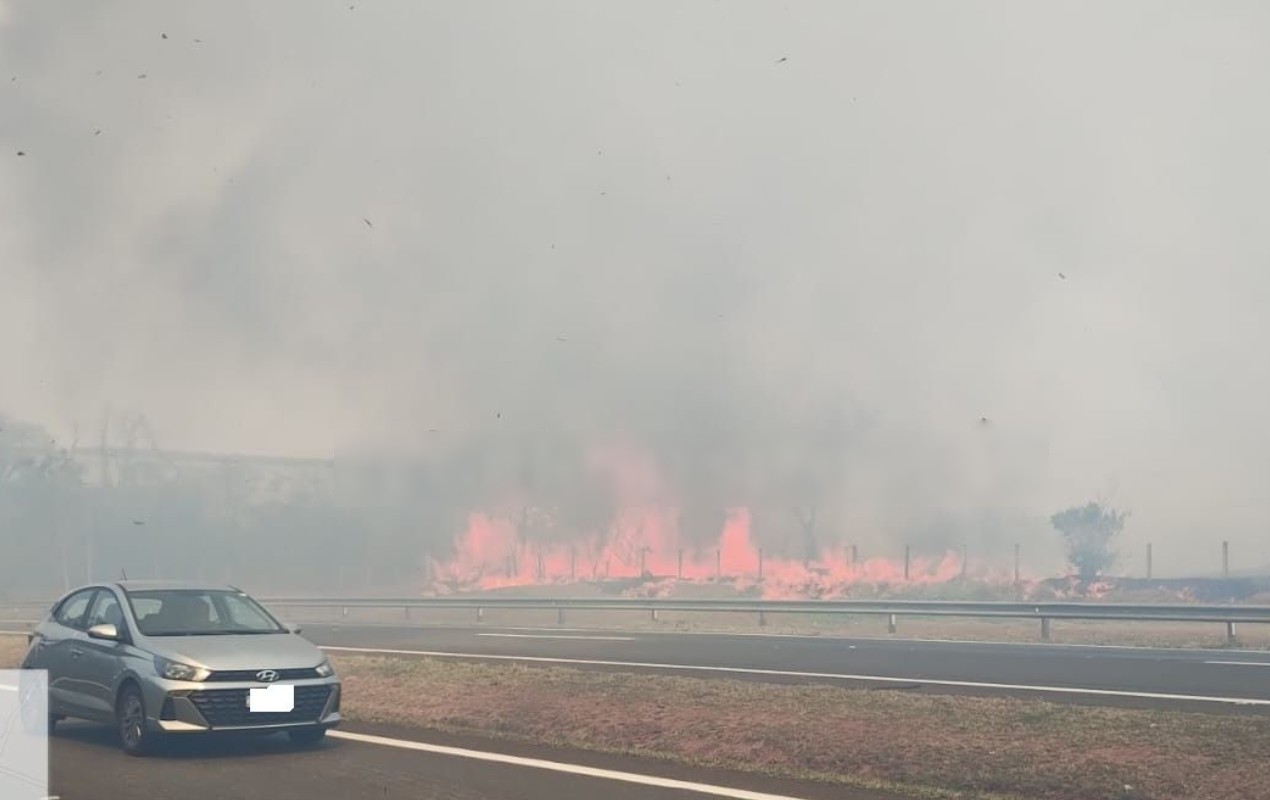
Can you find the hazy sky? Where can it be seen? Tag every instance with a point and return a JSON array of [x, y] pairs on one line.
[[624, 217]]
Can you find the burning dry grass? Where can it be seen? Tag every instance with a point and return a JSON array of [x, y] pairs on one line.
[[920, 744]]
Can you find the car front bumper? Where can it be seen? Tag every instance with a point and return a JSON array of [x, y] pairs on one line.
[[185, 707]]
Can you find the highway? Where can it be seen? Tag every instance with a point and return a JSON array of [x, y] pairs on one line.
[[87, 765], [1213, 681], [366, 761]]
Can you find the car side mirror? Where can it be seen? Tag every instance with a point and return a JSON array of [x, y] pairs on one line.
[[293, 628], [105, 632]]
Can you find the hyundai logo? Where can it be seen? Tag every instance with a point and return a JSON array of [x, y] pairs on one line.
[[267, 675]]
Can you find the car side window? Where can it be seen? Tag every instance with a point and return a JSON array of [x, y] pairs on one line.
[[106, 611], [71, 612]]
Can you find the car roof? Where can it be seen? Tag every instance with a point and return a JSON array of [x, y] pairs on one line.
[[162, 585]]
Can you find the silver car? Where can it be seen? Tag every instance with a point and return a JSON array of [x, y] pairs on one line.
[[154, 659]]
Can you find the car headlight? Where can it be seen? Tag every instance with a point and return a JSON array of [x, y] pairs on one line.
[[325, 670], [176, 671]]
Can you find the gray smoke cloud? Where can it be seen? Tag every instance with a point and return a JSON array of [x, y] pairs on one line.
[[731, 232]]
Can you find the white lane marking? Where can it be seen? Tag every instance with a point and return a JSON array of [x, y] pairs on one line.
[[1241, 663], [1238, 701], [559, 766], [558, 636]]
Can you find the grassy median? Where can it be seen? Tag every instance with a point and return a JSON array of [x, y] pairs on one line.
[[916, 744], [919, 744]]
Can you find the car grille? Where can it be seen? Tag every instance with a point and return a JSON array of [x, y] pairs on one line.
[[228, 707], [244, 675]]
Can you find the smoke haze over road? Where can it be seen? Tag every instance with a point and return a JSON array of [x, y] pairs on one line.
[[779, 257]]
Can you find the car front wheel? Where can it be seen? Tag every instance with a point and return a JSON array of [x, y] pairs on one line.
[[130, 722]]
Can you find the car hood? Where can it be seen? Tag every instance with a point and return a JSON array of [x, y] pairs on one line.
[[220, 653]]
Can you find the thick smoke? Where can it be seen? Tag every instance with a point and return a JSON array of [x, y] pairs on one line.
[[934, 276]]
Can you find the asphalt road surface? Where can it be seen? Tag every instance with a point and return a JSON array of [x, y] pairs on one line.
[[85, 764], [1203, 680]]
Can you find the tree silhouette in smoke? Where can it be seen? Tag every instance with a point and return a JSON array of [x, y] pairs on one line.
[[1090, 531]]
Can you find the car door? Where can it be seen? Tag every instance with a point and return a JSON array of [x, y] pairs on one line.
[[61, 647], [101, 663]]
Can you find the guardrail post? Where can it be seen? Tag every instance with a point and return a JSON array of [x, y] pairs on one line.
[[908, 554], [480, 614], [1045, 629], [1230, 633], [1225, 559], [406, 609], [679, 575], [560, 615], [965, 558], [762, 619], [654, 615], [344, 611], [890, 623], [1016, 565]]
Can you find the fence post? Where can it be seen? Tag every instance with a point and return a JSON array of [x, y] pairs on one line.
[[762, 619], [643, 552], [560, 615], [344, 611], [406, 609], [890, 623], [1230, 633], [718, 564], [907, 558], [679, 573], [480, 614], [1045, 629], [1016, 565], [855, 557], [573, 563], [965, 557], [1149, 564], [760, 563], [654, 615], [1225, 559]]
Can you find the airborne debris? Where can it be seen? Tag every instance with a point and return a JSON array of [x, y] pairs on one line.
[[1061, 275], [368, 223], [164, 35], [141, 76], [782, 59], [21, 152]]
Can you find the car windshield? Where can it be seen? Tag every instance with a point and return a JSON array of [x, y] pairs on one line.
[[200, 612]]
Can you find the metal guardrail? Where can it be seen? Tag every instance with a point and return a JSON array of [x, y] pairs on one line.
[[892, 609], [1045, 612]]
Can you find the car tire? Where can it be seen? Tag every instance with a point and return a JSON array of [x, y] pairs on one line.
[[307, 737], [130, 723]]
